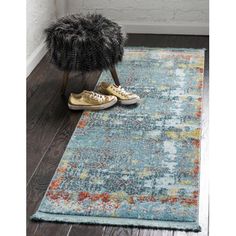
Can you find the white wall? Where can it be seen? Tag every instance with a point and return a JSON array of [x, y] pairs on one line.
[[39, 14], [150, 16]]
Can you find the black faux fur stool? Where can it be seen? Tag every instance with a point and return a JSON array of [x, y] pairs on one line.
[[85, 43]]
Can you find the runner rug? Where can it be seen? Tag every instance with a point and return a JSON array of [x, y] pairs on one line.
[[136, 165]]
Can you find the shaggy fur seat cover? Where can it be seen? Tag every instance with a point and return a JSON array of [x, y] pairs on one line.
[[85, 43]]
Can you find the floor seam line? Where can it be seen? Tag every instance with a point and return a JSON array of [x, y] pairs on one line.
[[36, 168], [68, 233]]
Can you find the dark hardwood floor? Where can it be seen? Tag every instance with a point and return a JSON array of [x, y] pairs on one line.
[[50, 125]]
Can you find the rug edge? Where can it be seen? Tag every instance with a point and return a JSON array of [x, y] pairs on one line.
[[167, 225]]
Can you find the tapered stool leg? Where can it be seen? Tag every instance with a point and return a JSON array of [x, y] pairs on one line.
[[114, 75], [64, 82], [90, 80]]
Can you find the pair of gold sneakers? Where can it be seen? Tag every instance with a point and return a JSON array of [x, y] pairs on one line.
[[108, 95]]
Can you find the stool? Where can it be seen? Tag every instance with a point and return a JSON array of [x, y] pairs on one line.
[[86, 44]]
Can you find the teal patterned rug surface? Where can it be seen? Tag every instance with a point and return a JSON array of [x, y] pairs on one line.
[[136, 165]]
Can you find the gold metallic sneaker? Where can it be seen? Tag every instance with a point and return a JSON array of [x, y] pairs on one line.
[[88, 100], [123, 96]]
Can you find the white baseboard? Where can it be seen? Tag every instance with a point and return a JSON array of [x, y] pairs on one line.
[[35, 57], [153, 28]]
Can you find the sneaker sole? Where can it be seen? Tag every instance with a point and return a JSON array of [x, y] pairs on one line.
[[92, 108], [129, 102]]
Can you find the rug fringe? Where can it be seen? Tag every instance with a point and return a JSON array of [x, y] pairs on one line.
[[165, 225]]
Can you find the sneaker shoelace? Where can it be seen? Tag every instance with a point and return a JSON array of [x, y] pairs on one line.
[[97, 97], [122, 91]]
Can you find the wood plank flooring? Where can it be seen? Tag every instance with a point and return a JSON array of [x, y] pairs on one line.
[[50, 125]]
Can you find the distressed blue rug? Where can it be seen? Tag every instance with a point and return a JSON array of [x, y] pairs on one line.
[[136, 165]]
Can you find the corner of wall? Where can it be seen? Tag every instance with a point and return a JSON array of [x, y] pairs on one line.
[[61, 8], [40, 51]]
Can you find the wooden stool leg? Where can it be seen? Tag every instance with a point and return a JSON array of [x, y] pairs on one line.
[[90, 80], [114, 75], [65, 82]]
